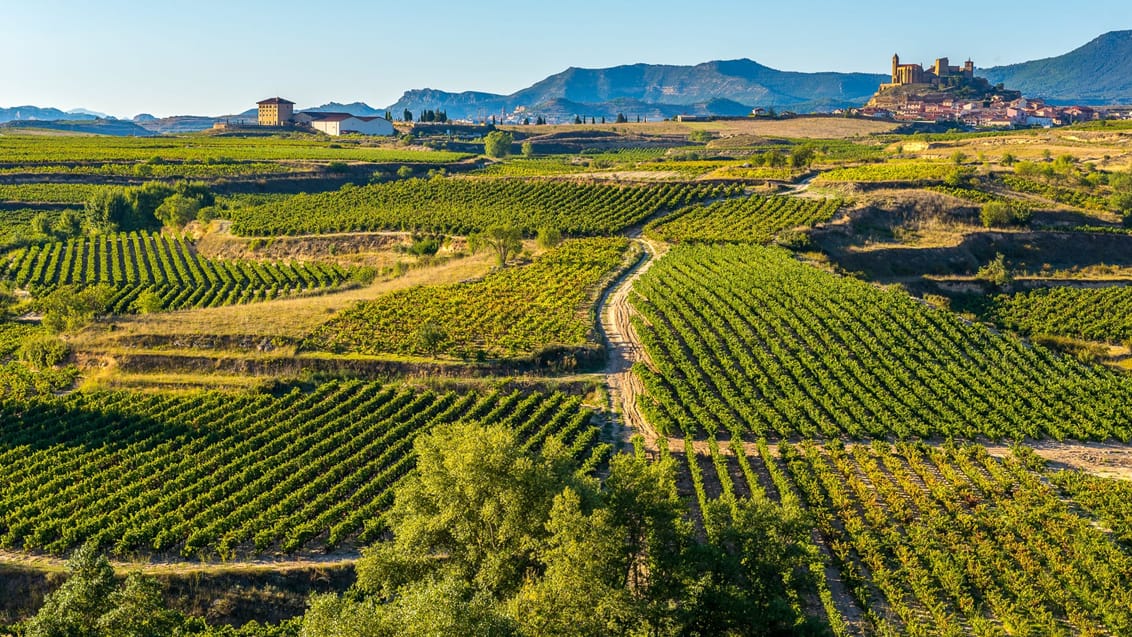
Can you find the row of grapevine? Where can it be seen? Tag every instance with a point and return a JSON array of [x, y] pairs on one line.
[[219, 474], [747, 339], [512, 311], [460, 206], [165, 265], [754, 219], [1098, 314], [935, 540]]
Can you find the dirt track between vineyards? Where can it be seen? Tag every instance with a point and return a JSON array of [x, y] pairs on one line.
[[625, 349]]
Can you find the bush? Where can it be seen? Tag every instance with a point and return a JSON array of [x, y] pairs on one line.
[[996, 273], [148, 302], [43, 351], [548, 237], [1001, 213], [700, 136], [404, 172]]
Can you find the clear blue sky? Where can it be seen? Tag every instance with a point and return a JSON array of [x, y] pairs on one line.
[[213, 57]]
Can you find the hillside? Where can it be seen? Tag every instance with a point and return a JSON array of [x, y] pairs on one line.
[[716, 87], [1099, 72], [25, 113]]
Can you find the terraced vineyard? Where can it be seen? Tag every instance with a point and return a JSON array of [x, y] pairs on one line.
[[890, 171], [74, 194], [511, 312], [748, 340], [219, 474], [460, 206], [934, 540], [754, 219], [1098, 314], [133, 263]]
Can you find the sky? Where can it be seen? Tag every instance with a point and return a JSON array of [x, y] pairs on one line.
[[214, 57]]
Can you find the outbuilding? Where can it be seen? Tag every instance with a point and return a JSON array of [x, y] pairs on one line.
[[342, 123]]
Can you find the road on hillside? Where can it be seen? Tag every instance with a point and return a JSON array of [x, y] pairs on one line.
[[624, 349]]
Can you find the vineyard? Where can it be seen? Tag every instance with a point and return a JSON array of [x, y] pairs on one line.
[[217, 474], [510, 312], [28, 150], [460, 206], [751, 341], [754, 219], [890, 171], [1098, 314], [74, 194], [934, 540], [168, 266]]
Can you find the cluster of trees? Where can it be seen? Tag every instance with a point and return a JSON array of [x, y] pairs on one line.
[[143, 207], [427, 115], [489, 540]]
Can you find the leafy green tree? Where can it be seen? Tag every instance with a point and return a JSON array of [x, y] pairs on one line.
[[74, 608], [41, 224], [43, 351], [802, 156], [177, 210], [66, 308], [109, 209], [996, 272], [528, 150], [430, 337], [68, 224], [504, 241], [148, 302], [138, 610], [548, 237], [497, 144]]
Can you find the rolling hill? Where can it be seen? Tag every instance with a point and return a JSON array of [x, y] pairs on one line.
[[1097, 73], [715, 88]]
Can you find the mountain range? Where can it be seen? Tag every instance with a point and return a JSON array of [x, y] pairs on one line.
[[1097, 73], [1100, 72]]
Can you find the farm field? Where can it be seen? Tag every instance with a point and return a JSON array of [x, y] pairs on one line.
[[216, 474], [795, 365], [461, 206], [512, 312]]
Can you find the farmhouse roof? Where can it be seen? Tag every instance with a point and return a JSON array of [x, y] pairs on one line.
[[275, 100], [328, 117]]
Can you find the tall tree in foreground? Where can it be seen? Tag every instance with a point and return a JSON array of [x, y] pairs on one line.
[[491, 540], [503, 241]]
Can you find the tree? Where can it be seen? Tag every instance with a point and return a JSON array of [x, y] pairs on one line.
[[177, 210], [528, 150], [802, 156], [504, 241], [497, 144], [148, 302], [577, 120], [68, 224], [90, 603], [621, 118], [109, 209], [66, 308], [430, 337], [75, 607], [958, 158], [388, 116], [138, 610], [43, 351], [41, 224], [548, 237]]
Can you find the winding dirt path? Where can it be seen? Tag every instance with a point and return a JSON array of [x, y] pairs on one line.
[[625, 349]]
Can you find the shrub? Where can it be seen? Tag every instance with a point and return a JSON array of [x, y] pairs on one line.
[[549, 237], [43, 351]]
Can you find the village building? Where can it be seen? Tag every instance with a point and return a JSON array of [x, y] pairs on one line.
[[940, 75], [343, 123], [276, 111]]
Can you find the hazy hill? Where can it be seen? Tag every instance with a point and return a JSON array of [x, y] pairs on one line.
[[24, 113], [1099, 72], [115, 127], [722, 88]]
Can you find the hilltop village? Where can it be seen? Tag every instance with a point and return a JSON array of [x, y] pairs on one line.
[[943, 93]]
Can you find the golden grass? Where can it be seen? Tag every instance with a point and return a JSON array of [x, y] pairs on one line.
[[799, 127], [288, 318]]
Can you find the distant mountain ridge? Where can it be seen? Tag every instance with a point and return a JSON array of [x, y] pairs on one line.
[[711, 88], [1098, 73]]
